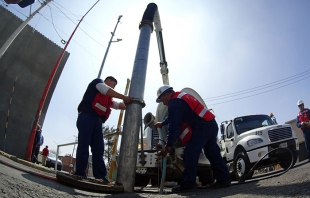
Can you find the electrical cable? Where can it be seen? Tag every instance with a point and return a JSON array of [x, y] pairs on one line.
[[62, 40], [72, 39], [260, 92], [259, 87], [8, 6], [78, 16], [242, 179], [79, 27], [265, 85]]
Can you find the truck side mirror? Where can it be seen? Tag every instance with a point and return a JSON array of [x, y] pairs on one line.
[[222, 128]]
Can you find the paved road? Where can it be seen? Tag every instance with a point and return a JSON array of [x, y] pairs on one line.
[[16, 183]]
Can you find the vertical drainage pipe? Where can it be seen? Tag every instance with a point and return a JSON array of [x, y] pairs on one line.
[[130, 136]]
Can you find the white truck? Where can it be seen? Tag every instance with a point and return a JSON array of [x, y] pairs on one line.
[[246, 139]]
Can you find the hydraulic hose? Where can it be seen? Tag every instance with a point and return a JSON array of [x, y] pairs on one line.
[[164, 161], [242, 179]]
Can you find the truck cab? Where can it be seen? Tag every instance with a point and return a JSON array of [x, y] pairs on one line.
[[247, 139]]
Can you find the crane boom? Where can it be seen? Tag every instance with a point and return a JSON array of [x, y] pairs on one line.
[[160, 42]]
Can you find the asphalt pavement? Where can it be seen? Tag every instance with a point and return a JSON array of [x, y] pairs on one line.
[[39, 181]]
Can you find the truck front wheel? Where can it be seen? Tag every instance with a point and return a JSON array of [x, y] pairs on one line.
[[141, 180], [242, 166], [286, 160]]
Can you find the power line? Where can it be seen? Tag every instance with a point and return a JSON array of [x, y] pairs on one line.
[[258, 87], [260, 92], [62, 40], [79, 16], [7, 5], [72, 39], [79, 27]]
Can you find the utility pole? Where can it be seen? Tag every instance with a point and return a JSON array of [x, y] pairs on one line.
[[106, 52], [7, 44], [76, 138], [71, 165]]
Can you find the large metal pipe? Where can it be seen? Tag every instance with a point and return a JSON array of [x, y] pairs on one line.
[[133, 115]]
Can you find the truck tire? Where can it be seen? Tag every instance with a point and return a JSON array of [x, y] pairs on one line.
[[141, 180], [206, 177], [242, 166], [285, 160]]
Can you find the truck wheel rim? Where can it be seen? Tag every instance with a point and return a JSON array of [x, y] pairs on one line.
[[240, 167]]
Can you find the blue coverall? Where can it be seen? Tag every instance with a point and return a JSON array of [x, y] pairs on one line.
[[204, 136], [89, 125], [306, 134], [90, 134], [38, 141]]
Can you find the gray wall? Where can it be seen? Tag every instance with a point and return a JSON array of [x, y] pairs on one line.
[[30, 58]]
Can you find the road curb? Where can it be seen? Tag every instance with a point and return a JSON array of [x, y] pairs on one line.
[[26, 163]]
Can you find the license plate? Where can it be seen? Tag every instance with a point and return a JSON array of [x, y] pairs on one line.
[[283, 145]]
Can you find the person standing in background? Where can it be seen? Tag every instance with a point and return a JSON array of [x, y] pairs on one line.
[[38, 141], [45, 153], [303, 122], [274, 120]]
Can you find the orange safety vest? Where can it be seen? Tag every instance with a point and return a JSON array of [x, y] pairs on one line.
[[102, 105], [198, 108], [303, 117]]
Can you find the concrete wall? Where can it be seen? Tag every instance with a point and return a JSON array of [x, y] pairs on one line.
[[30, 58]]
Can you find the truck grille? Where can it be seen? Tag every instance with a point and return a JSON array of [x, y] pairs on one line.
[[279, 134]]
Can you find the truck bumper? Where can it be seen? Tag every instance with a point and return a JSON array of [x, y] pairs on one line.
[[259, 153]]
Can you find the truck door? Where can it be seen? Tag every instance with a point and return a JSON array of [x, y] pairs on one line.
[[229, 142]]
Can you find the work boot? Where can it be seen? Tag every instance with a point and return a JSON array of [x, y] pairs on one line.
[[217, 185], [103, 181], [179, 189]]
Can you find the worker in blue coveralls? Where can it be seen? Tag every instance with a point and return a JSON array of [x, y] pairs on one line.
[[184, 108], [94, 110], [38, 141]]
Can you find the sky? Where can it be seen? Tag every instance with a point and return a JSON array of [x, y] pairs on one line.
[[242, 57]]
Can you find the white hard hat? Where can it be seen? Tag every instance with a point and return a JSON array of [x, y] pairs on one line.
[[161, 90], [299, 102]]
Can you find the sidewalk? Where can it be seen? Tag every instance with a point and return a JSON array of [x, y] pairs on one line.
[[25, 166]]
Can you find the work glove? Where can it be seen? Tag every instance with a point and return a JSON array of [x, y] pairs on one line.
[[159, 146], [164, 151]]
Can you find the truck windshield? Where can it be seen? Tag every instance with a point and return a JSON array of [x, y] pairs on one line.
[[246, 123]]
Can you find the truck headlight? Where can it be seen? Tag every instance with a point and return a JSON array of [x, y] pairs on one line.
[[253, 142]]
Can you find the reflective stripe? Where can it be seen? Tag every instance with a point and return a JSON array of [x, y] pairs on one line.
[[203, 112], [195, 105], [99, 106], [184, 133], [181, 95]]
